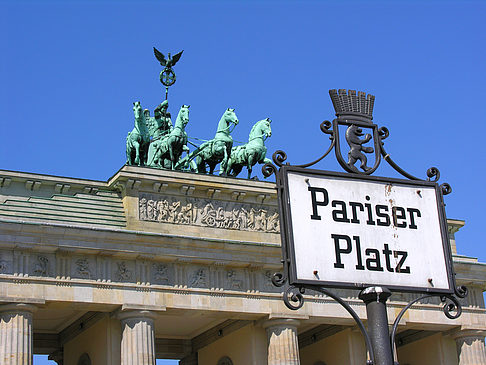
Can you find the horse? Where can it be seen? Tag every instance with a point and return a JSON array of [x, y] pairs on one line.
[[216, 150], [252, 152], [138, 139], [168, 150]]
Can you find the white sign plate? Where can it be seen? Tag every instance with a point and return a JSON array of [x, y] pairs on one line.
[[355, 232]]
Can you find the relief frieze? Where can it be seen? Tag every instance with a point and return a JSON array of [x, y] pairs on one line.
[[208, 213]]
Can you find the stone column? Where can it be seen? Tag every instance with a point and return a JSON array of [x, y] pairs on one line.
[[138, 333], [470, 347], [283, 345], [16, 334]]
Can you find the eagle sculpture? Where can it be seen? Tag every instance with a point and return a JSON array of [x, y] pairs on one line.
[[170, 61]]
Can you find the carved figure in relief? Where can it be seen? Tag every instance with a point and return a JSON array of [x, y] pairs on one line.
[[123, 272], [235, 216], [198, 278], [193, 211], [353, 134], [233, 280], [273, 224], [251, 219], [261, 220], [185, 215], [83, 268], [223, 221], [209, 215], [173, 211], [163, 210], [243, 218], [161, 275], [40, 268], [151, 210], [143, 209]]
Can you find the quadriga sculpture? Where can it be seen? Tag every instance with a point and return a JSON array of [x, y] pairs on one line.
[[252, 152], [138, 139], [216, 150], [168, 150]]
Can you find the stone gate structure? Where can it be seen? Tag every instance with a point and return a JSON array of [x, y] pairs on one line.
[[165, 264]]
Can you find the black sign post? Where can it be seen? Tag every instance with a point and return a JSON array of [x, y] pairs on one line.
[[326, 218]]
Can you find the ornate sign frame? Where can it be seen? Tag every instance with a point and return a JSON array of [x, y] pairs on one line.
[[289, 246], [355, 111]]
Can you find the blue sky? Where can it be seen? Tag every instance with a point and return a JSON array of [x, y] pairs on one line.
[[70, 71]]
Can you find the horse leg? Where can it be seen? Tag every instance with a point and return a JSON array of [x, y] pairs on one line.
[[144, 153], [224, 163], [201, 165], [237, 170], [229, 167], [136, 146], [211, 167], [171, 155], [129, 151], [250, 165]]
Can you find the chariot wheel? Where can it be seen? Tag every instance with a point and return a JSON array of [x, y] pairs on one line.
[[211, 221]]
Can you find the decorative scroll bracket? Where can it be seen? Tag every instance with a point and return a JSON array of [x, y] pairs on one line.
[[354, 111]]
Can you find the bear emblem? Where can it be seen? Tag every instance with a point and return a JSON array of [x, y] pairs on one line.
[[353, 134]]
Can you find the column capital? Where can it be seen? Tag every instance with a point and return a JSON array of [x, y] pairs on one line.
[[281, 322], [471, 332], [131, 314], [18, 307]]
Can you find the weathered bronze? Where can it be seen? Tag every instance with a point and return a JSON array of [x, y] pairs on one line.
[[167, 75], [216, 150], [138, 139], [156, 143], [250, 153], [166, 151]]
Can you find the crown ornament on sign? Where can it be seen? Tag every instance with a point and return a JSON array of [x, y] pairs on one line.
[[349, 105]]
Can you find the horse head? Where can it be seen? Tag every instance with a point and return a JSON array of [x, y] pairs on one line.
[[183, 116], [261, 129], [137, 110], [229, 117]]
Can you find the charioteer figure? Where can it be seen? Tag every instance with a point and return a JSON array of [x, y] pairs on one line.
[[162, 120]]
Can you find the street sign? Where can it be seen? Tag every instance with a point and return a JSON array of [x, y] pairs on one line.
[[356, 231]]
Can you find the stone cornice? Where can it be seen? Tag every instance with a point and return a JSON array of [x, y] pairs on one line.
[[50, 180], [133, 179]]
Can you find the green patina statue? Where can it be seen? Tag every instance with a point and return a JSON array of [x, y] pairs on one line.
[[216, 150], [253, 152], [138, 139], [159, 127], [166, 150], [155, 142]]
